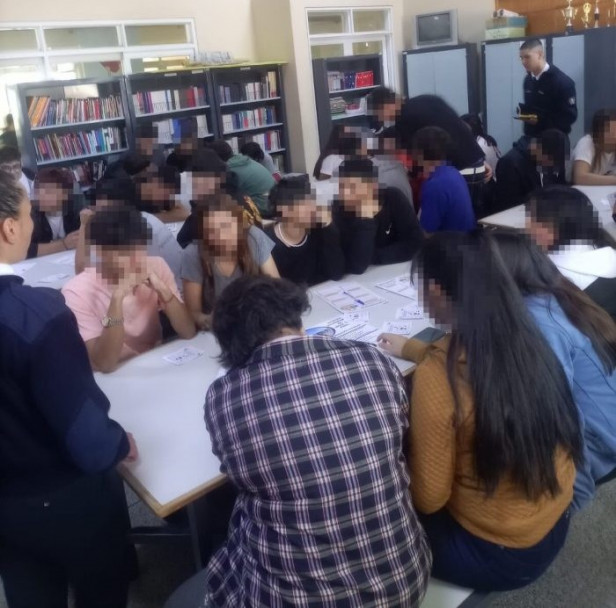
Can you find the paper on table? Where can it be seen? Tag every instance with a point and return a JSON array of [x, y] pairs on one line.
[[64, 260], [184, 355], [402, 328], [400, 285], [370, 338], [53, 278], [342, 327], [409, 312], [349, 297], [361, 315], [23, 267]]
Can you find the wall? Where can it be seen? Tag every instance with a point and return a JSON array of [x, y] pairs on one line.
[[472, 16], [221, 25]]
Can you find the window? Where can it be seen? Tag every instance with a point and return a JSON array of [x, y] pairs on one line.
[[67, 51], [354, 31]]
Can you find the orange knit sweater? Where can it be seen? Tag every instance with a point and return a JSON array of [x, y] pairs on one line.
[[442, 467]]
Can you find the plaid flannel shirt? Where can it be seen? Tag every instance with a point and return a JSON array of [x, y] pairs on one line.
[[311, 432]]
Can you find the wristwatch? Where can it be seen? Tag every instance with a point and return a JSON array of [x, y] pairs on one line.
[[111, 322]]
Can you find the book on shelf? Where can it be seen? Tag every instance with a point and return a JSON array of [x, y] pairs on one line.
[[339, 81], [88, 173], [339, 105], [169, 131], [59, 146], [248, 119], [270, 140], [168, 100], [257, 90], [44, 111]]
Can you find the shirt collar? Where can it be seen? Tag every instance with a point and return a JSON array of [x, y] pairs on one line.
[[6, 270], [545, 69]]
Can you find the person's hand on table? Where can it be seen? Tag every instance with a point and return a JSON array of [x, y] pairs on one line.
[[71, 239], [391, 343], [133, 452]]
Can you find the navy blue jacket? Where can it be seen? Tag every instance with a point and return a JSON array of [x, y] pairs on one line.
[[54, 424], [553, 99]]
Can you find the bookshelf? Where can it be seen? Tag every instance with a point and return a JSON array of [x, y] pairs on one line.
[[77, 124], [250, 107], [341, 85], [165, 98]]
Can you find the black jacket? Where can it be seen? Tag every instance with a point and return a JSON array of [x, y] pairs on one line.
[[553, 99], [517, 176], [432, 111], [41, 232], [392, 236], [54, 417]]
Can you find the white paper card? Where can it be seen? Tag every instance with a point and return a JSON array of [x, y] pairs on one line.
[[402, 328], [361, 315], [348, 297], [401, 285], [53, 278], [409, 312], [184, 355]]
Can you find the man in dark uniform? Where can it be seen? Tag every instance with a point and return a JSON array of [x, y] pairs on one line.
[[549, 94]]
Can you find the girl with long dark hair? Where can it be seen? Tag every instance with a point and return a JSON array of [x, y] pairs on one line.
[[494, 432], [594, 156], [565, 224], [583, 337]]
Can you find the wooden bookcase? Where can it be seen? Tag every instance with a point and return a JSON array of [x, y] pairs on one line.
[[79, 124], [250, 107], [337, 79], [165, 98]]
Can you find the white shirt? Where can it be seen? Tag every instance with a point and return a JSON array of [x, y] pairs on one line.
[[582, 264], [6, 270], [56, 222], [545, 69], [492, 154], [585, 151], [330, 164]]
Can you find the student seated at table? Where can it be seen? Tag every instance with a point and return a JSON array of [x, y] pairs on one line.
[[445, 199], [311, 433], [120, 193], [343, 142], [63, 516], [55, 213], [10, 162], [208, 175], [564, 223], [253, 150], [594, 156], [494, 430], [306, 241], [251, 178], [583, 336], [377, 225], [117, 301], [524, 168], [227, 247], [156, 194]]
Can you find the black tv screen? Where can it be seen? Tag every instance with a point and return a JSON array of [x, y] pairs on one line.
[[434, 28]]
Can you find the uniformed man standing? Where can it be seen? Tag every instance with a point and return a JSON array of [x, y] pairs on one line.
[[549, 94]]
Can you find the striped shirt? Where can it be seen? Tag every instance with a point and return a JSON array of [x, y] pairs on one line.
[[311, 433]]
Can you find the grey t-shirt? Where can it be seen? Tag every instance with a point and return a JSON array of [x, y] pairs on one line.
[[260, 246], [164, 245]]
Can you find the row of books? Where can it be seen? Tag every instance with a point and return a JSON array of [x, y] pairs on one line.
[[151, 102], [249, 91], [270, 140], [86, 174], [169, 131], [45, 111], [57, 146], [339, 105], [248, 119], [338, 81]]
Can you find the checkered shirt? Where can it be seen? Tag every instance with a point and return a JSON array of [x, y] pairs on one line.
[[311, 432]]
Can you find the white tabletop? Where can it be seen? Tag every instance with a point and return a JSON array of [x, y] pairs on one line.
[[52, 270], [515, 217], [162, 405]]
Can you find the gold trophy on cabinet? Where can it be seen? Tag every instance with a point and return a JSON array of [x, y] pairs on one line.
[[569, 13]]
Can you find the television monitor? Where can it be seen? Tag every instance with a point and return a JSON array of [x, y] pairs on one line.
[[436, 29]]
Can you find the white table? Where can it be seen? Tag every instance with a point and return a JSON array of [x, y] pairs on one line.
[[516, 217], [162, 405], [52, 270]]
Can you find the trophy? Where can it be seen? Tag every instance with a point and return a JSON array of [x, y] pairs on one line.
[[569, 14], [586, 9], [597, 13]]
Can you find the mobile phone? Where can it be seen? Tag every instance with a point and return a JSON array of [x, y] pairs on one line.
[[429, 335]]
